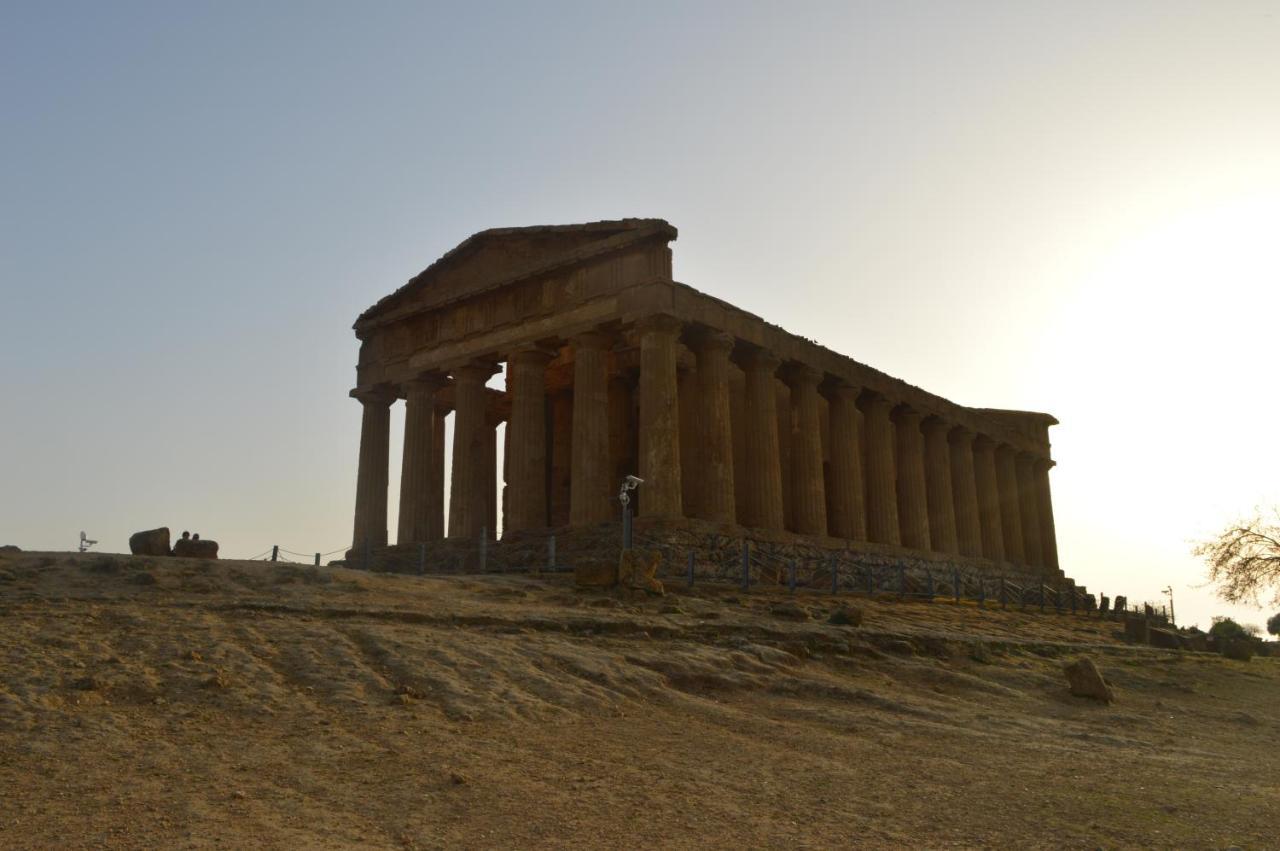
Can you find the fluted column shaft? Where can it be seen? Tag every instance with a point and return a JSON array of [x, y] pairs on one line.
[[371, 477], [988, 487], [913, 501], [715, 428], [659, 418], [1029, 510], [416, 497], [589, 487], [1048, 535], [808, 490], [937, 468], [882, 488], [489, 473], [964, 490], [1010, 509], [848, 516], [526, 469], [763, 487], [468, 510], [435, 477]]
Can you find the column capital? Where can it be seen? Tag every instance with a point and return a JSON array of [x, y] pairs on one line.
[[532, 354], [659, 323], [841, 390], [907, 415], [801, 375], [877, 404], [933, 425], [428, 382], [962, 435], [983, 442], [755, 358], [376, 394], [712, 340], [476, 370], [594, 339]]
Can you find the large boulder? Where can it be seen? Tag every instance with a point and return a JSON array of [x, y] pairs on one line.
[[1085, 680], [201, 548], [1165, 639], [1137, 630], [153, 542]]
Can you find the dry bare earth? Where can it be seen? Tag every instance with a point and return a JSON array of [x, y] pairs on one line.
[[171, 703]]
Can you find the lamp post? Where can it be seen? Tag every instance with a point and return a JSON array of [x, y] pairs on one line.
[[1172, 619], [629, 484]]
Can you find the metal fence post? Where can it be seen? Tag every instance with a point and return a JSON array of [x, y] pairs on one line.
[[746, 565], [551, 553]]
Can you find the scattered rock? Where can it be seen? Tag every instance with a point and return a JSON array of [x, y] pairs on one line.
[[1085, 680], [153, 542], [239, 795], [457, 779], [790, 610], [9, 548], [846, 616], [409, 692], [189, 548], [901, 647]]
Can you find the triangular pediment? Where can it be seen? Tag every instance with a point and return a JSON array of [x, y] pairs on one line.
[[501, 255]]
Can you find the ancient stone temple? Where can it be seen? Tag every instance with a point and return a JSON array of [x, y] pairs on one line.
[[613, 368]]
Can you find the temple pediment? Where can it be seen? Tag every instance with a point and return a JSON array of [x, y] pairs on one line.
[[499, 256]]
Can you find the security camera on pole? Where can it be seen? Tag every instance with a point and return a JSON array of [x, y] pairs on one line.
[[629, 484]]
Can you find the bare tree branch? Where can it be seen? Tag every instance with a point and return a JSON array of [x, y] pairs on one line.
[[1244, 560]]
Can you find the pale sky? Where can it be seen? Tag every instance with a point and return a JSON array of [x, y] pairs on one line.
[[1064, 207]]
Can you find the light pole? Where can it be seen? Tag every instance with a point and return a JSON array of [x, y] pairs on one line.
[[1172, 619], [629, 484]]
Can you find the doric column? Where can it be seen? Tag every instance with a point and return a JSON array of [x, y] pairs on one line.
[[808, 491], [1048, 535], [560, 447], [589, 496], [526, 469], [988, 487], [371, 477], [659, 418], [1010, 510], [1029, 509], [937, 470], [964, 490], [913, 501], [435, 476], [763, 486], [689, 408], [489, 474], [417, 500], [715, 428], [467, 506], [622, 434], [882, 489], [848, 517], [786, 430]]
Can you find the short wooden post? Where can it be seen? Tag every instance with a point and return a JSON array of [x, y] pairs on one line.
[[317, 559], [275, 551]]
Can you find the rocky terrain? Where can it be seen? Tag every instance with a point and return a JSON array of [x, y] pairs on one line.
[[158, 702]]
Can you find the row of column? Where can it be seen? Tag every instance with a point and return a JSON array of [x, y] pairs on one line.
[[889, 476]]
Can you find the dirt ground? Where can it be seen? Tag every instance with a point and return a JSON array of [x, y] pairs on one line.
[[165, 703]]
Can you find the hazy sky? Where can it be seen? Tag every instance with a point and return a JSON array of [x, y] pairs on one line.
[[1064, 207]]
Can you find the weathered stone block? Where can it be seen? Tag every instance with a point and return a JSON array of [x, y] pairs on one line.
[[638, 569], [1085, 680], [1137, 630], [1165, 639], [202, 548], [152, 542]]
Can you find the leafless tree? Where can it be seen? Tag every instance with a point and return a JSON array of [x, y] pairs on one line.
[[1244, 559]]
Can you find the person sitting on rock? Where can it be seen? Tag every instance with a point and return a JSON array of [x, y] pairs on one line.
[[186, 536], [196, 536]]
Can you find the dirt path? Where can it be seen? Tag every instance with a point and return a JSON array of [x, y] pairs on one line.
[[167, 703]]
